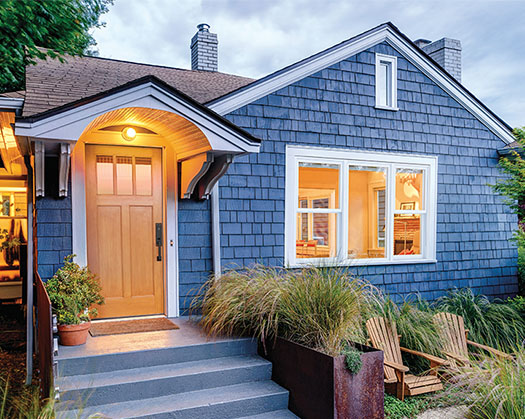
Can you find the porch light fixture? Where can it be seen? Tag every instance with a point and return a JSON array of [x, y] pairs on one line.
[[129, 133]]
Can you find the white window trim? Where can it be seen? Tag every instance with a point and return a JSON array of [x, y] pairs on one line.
[[393, 86], [345, 158]]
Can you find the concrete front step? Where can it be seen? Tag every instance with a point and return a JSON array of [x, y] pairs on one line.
[[162, 380], [276, 414], [235, 401], [102, 363]]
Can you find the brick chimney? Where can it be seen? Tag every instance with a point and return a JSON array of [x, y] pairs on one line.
[[204, 52], [446, 52]]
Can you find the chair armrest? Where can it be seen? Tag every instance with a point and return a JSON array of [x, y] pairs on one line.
[[491, 350], [396, 366], [462, 359], [429, 357]]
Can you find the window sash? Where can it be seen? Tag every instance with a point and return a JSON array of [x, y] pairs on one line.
[[427, 235], [386, 82]]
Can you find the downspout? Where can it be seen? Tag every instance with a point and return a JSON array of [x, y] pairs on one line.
[[29, 282], [215, 231]]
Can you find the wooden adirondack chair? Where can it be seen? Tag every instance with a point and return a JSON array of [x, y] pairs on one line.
[[383, 336], [451, 329]]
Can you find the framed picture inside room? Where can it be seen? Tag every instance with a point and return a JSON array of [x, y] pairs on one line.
[[407, 206]]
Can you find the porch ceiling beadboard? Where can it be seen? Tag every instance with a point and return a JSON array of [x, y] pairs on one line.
[[185, 137]]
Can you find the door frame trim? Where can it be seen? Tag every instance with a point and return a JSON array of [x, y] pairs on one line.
[[170, 213]]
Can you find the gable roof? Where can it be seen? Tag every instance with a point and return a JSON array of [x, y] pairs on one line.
[[386, 32], [51, 83], [68, 122]]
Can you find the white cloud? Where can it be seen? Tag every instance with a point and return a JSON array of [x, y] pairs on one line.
[[259, 37]]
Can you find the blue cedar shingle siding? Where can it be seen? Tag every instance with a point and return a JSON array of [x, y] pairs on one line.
[[335, 108], [195, 263], [53, 217]]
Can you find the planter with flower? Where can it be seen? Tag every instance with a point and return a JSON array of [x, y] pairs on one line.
[[10, 246], [73, 292]]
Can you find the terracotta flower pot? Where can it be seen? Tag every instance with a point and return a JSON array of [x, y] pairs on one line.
[[73, 334]]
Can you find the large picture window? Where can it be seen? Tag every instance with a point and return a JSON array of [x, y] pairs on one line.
[[353, 207]]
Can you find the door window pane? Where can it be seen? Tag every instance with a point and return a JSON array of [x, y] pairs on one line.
[[320, 183], [104, 171], [143, 175], [366, 212], [407, 234], [409, 189], [124, 176]]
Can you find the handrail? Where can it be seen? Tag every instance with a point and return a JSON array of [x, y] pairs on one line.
[[44, 335]]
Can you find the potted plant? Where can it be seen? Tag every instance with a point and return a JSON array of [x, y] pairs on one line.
[[10, 247], [73, 291]]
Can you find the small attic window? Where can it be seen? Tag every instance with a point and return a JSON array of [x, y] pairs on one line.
[[386, 82]]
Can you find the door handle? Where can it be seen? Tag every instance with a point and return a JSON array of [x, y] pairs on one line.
[[158, 240]]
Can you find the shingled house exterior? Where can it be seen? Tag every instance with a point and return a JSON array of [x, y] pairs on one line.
[[370, 154]]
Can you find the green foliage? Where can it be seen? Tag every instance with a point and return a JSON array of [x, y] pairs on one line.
[[518, 304], [9, 241], [73, 291], [491, 323], [521, 261], [409, 408], [62, 26], [316, 307], [353, 360], [493, 388]]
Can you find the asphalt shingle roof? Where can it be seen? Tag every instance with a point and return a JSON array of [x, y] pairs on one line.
[[51, 83]]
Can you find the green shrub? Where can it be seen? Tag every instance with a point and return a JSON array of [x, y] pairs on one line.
[[518, 304], [493, 388], [409, 408], [491, 323], [73, 291], [521, 265], [353, 360], [316, 307]]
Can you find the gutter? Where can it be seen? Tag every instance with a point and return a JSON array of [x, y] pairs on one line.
[[29, 282], [215, 232], [509, 152]]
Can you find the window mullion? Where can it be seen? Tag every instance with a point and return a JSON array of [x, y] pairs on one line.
[[391, 203], [343, 222]]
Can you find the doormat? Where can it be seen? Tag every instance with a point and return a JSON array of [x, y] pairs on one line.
[[131, 326]]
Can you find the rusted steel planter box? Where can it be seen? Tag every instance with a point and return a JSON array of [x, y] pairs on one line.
[[321, 387]]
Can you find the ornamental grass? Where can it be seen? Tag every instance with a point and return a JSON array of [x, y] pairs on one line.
[[316, 307], [492, 388], [494, 324]]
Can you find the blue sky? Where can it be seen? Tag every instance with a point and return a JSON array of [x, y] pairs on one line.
[[257, 37]]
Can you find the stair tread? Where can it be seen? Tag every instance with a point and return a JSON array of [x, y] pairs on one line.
[[143, 374], [182, 401], [275, 414]]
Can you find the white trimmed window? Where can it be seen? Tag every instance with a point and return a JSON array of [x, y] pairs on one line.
[[386, 82], [356, 207]]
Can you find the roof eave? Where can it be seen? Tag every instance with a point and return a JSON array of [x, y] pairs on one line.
[[11, 104]]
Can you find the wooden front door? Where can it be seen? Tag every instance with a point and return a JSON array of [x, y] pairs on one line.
[[124, 210]]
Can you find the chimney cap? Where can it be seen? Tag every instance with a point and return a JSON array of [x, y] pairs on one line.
[[203, 27], [422, 42]]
